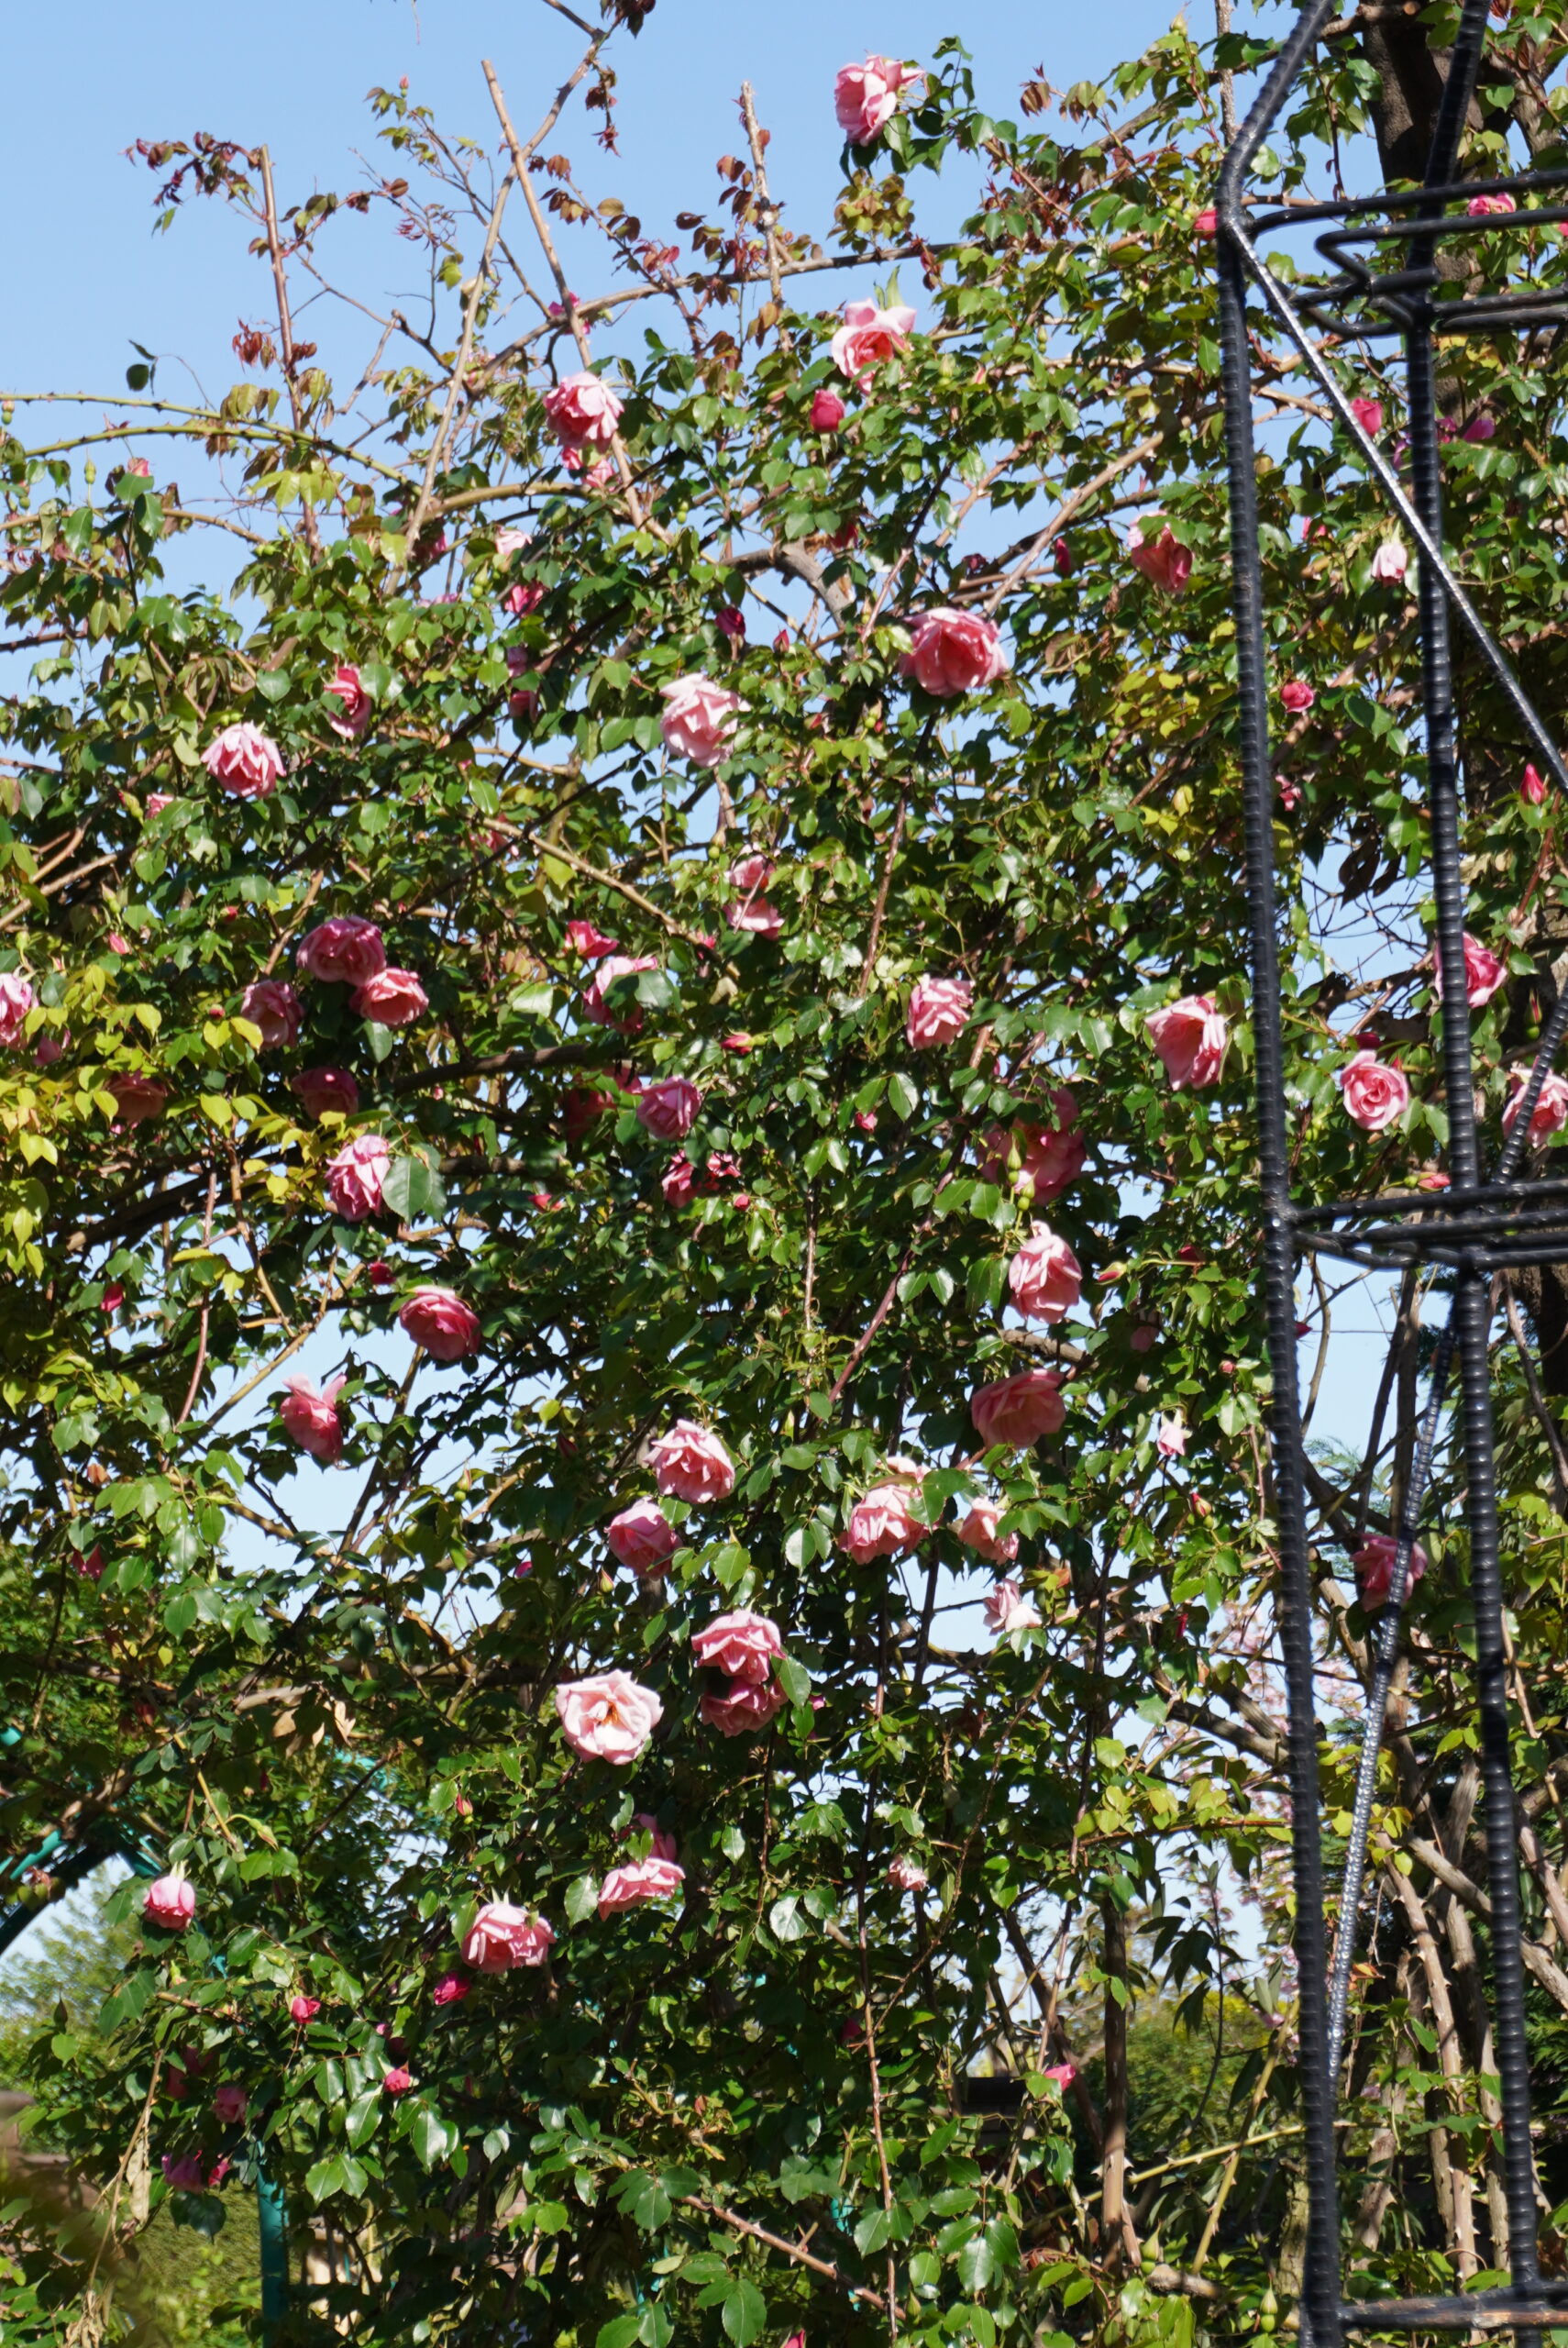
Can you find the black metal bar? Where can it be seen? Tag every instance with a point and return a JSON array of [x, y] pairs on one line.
[[1471, 2310]]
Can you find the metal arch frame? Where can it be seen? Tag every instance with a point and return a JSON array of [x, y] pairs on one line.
[[1476, 1227]]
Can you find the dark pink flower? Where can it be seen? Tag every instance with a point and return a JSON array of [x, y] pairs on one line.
[[1163, 558], [356, 706], [954, 652], [827, 410], [346, 947], [1375, 1567]]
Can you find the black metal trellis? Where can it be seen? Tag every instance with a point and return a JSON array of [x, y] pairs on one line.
[[1478, 1225]]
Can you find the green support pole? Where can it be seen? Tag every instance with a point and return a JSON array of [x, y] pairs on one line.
[[272, 2214]]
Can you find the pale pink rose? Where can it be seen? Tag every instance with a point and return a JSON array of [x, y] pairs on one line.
[[314, 1419], [1051, 1157], [273, 1005], [1550, 1112], [1008, 1610], [1375, 1096], [170, 1901], [441, 1322], [1368, 413], [138, 1099], [868, 336], [354, 1177], [583, 411], [676, 1181], [954, 652], [638, 1881], [16, 998], [230, 2103], [1044, 1277], [510, 543], [618, 966], [1021, 1409], [742, 1645], [303, 2009], [828, 413], [692, 1463], [752, 872], [1171, 1440], [247, 762], [1390, 562], [1190, 1038], [1480, 205], [137, 469], [882, 1523], [744, 1709], [866, 97], [589, 942], [502, 1937], [643, 1537], [394, 997], [320, 1089], [758, 916], [1532, 788], [1161, 559], [1375, 1567], [346, 946], [667, 1110], [450, 1989], [608, 1717], [699, 721], [1484, 972], [906, 1875], [978, 1531], [357, 705], [662, 1844], [939, 1010]]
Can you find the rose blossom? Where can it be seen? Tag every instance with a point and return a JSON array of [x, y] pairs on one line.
[[346, 947], [628, 1019], [138, 1099], [637, 1882], [882, 1523], [247, 762], [1044, 1277], [229, 2104], [608, 1717], [868, 336], [441, 1322], [939, 1010], [866, 97], [583, 411], [692, 1464], [91, 1566], [954, 652], [1171, 1440], [742, 1645], [357, 705], [978, 1531], [320, 1089], [1190, 1038], [449, 1988], [827, 410], [354, 1177], [676, 1181], [1480, 205], [303, 2009], [1049, 1155], [397, 2082], [273, 1005], [758, 916], [394, 997], [643, 1537], [185, 2173], [314, 1419], [1483, 973], [1551, 1111], [662, 1844], [589, 942], [1165, 559], [1390, 562], [1368, 413], [1373, 1095], [16, 998], [1021, 1409], [170, 1901], [744, 1709], [699, 719], [1532, 789], [1375, 1567], [1297, 696], [906, 1875], [668, 1110], [502, 1937], [1008, 1610]]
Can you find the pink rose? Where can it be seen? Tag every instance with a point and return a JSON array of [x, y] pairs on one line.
[[954, 652], [138, 1099], [16, 998], [758, 916], [397, 2082], [1170, 1440], [1044, 1277], [49, 1049], [676, 1181], [699, 720], [273, 1005], [394, 997], [354, 1177], [1368, 413], [744, 1709], [905, 1875], [230, 2103], [868, 336], [638, 1881], [1190, 1038], [1007, 1609], [939, 1010], [441, 1322], [692, 1463], [1061, 2074], [752, 872], [1051, 1157], [589, 942], [1297, 695], [170, 1901], [978, 1531], [1550, 1112], [643, 1537], [303, 2009], [1374, 1096], [827, 410], [668, 1110], [502, 1937], [1480, 205], [450, 1989], [1375, 1567], [346, 946], [1390, 562], [247, 762], [882, 1523], [157, 800], [1163, 559], [608, 1717], [314, 1419], [743, 1645], [1532, 789], [582, 412], [628, 1019], [320, 1089], [1021, 1409], [523, 595], [91, 1566], [357, 705], [185, 2173], [1207, 223], [661, 1845], [866, 97], [1483, 973]]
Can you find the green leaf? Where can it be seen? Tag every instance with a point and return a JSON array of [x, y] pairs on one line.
[[745, 2313], [785, 1920], [581, 1900], [325, 2178], [413, 1190], [363, 2116], [872, 2233], [977, 2263], [794, 1679], [903, 1098], [619, 2333], [432, 2138], [274, 685]]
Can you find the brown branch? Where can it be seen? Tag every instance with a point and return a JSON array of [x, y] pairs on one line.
[[285, 323], [789, 2249]]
